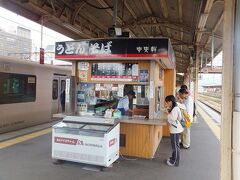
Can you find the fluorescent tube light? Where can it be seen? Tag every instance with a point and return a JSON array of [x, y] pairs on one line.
[[202, 21], [72, 28]]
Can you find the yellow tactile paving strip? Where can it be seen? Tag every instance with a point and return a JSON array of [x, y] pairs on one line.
[[20, 139], [212, 125]]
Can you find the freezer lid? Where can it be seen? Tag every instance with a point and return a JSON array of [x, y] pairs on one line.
[[69, 125], [82, 129], [88, 120], [101, 128], [94, 128]]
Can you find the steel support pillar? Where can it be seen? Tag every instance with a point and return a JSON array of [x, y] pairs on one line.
[[226, 165], [236, 100]]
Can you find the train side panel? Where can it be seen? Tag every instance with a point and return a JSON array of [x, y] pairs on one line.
[[24, 114]]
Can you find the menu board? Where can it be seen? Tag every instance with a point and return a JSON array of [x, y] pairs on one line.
[[115, 72], [144, 75]]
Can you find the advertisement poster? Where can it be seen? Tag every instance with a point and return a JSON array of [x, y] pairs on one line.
[[83, 76], [135, 70], [81, 96], [114, 72], [84, 66], [143, 75], [151, 90]]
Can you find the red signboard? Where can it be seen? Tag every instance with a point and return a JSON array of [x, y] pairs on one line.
[[112, 142], [41, 56], [62, 140]]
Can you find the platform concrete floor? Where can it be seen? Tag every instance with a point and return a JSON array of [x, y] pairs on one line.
[[31, 160]]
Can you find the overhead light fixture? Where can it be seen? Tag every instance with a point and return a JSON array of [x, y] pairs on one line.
[[181, 74], [203, 20], [72, 28], [114, 31]]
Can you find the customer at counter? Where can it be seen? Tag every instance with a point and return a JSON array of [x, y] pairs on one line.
[[175, 128], [123, 104]]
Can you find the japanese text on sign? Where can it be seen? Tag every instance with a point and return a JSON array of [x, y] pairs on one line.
[[146, 49], [84, 48]]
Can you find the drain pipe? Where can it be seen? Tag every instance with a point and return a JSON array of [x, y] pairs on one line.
[[236, 105]]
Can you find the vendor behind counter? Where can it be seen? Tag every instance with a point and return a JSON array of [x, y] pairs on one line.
[[123, 104]]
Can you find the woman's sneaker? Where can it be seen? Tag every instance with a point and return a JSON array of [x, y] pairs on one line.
[[168, 162]]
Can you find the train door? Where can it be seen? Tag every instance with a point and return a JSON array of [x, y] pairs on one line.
[[58, 94]]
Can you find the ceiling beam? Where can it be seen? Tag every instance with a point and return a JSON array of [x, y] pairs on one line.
[[180, 57], [158, 27], [219, 49], [62, 11], [132, 13], [53, 6], [216, 26], [134, 16], [85, 32], [174, 39], [163, 5], [149, 12], [182, 52], [147, 6], [76, 11], [93, 24], [130, 10], [109, 11], [118, 19], [203, 19], [53, 24], [161, 21], [145, 2], [184, 55], [43, 3], [183, 65], [157, 24], [95, 21], [144, 31], [181, 69], [180, 11], [218, 23]]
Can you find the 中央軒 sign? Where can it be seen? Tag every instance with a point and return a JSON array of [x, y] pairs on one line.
[[126, 47]]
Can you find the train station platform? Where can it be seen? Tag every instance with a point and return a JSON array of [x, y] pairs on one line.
[[30, 159]]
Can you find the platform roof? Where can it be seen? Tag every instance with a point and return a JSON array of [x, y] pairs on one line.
[[188, 23]]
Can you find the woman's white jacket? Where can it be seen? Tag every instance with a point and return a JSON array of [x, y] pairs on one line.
[[174, 118]]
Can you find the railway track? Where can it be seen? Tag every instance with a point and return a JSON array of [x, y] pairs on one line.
[[210, 101]]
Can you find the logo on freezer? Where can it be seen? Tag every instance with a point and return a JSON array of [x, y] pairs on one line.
[[112, 142], [69, 141]]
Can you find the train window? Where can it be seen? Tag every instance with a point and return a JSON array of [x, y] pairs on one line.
[[17, 88], [55, 89]]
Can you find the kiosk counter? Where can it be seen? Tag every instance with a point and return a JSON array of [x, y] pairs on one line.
[[105, 70]]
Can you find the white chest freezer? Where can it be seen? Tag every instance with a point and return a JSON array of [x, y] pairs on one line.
[[86, 140]]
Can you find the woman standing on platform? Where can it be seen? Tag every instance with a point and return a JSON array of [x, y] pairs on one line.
[[175, 128]]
